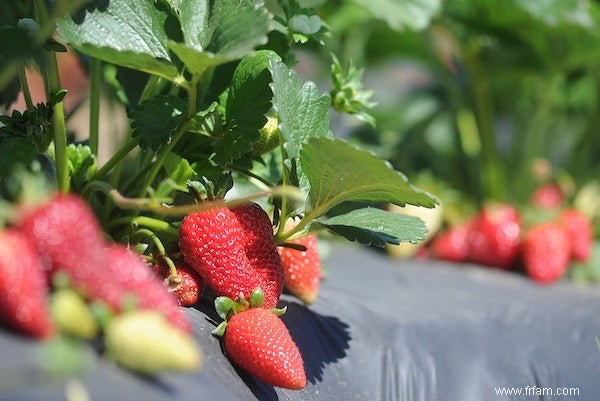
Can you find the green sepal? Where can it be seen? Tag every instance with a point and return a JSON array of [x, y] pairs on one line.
[[225, 307], [220, 329], [279, 311], [257, 298]]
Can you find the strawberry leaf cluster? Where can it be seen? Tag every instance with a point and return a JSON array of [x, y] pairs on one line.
[[227, 171]]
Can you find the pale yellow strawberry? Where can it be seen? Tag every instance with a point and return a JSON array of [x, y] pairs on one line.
[[144, 341], [72, 314]]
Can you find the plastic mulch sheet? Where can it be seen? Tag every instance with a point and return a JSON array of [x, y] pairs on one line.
[[380, 330]]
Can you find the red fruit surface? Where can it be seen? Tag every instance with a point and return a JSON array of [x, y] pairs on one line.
[[495, 236], [453, 244], [302, 269], [65, 232], [190, 289], [128, 275], [581, 233], [258, 341], [546, 252], [68, 238], [548, 196], [23, 287], [234, 251]]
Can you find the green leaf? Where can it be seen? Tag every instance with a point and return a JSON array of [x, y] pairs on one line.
[[305, 24], [248, 100], [155, 120], [339, 172], [403, 14], [130, 33], [377, 227], [556, 13], [81, 163], [302, 111], [178, 169], [228, 31]]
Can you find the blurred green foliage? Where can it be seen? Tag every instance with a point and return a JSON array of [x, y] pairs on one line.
[[477, 91]]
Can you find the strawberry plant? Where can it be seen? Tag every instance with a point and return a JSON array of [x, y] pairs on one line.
[[497, 101], [224, 143]]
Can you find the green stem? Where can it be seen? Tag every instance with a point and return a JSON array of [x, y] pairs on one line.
[[25, 87], [151, 223], [127, 147], [95, 78], [166, 150], [284, 202], [532, 143], [250, 174], [162, 156], [174, 278], [58, 126], [493, 179], [154, 206], [130, 143]]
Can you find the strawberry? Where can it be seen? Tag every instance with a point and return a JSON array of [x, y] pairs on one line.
[[580, 231], [189, 286], [269, 137], [302, 269], [548, 196], [23, 287], [129, 275], [452, 244], [144, 341], [69, 239], [495, 236], [545, 251], [65, 232], [233, 250], [73, 315], [258, 341]]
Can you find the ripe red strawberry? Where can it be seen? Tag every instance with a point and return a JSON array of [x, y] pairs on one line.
[[68, 238], [257, 340], [23, 287], [129, 275], [546, 251], [452, 244], [65, 232], [548, 196], [580, 231], [189, 290], [302, 269], [495, 236], [234, 251]]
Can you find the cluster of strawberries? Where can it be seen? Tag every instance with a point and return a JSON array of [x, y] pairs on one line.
[[61, 241], [497, 236], [234, 252], [231, 250]]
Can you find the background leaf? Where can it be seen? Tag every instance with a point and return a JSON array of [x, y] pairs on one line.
[[155, 120], [339, 172], [372, 226], [403, 14], [130, 33], [228, 31]]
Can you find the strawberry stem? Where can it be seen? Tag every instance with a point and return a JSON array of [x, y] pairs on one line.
[[152, 205], [95, 78]]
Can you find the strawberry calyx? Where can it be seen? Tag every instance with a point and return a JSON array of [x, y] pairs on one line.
[[227, 307]]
